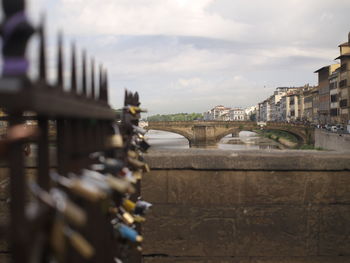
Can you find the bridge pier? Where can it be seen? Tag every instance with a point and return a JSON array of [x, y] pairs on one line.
[[236, 133], [203, 136]]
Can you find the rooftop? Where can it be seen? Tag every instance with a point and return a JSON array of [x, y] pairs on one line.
[[346, 55]]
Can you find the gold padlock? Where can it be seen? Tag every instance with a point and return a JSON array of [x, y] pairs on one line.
[[137, 174], [136, 163], [119, 185], [132, 154], [128, 218], [74, 213], [146, 168], [115, 141], [88, 192], [129, 205], [82, 246], [139, 219], [57, 239]]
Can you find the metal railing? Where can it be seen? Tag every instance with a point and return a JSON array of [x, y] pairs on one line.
[[84, 208]]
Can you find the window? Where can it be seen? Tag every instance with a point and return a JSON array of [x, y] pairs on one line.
[[342, 83], [334, 98], [292, 113], [333, 85], [343, 67], [343, 103], [334, 112], [308, 99]]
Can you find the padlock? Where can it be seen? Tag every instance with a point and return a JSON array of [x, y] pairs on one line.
[[139, 130], [79, 187], [136, 163], [129, 205], [128, 233], [137, 174], [128, 218], [128, 175], [115, 141], [132, 154], [142, 207], [139, 219], [57, 239], [117, 260], [81, 245], [58, 200], [120, 185], [87, 190], [70, 210]]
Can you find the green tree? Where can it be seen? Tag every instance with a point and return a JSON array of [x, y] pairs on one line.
[[176, 117]]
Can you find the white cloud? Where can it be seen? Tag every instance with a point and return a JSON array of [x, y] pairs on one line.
[[152, 17], [189, 55]]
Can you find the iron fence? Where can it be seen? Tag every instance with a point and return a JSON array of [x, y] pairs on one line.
[[81, 207]]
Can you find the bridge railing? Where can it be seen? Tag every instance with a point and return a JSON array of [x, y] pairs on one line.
[[77, 207]]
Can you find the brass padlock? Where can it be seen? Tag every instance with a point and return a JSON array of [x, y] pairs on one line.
[[87, 191], [81, 245], [120, 185], [74, 213], [128, 218], [115, 141], [129, 205], [57, 239]]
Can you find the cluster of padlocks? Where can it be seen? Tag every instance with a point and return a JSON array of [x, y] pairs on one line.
[[99, 206]]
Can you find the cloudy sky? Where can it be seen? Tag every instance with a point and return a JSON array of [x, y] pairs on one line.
[[190, 55]]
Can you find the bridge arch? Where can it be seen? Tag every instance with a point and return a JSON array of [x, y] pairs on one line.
[[177, 131], [221, 135], [297, 135], [209, 133]]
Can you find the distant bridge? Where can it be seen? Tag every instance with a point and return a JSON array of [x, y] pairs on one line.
[[209, 133]]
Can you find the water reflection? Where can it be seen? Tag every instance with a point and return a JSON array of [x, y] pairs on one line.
[[166, 140], [246, 141]]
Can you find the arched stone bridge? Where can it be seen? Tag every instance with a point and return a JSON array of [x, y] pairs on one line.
[[209, 133]]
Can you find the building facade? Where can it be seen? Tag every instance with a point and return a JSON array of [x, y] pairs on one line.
[[219, 112], [237, 115], [334, 93], [344, 82], [324, 92]]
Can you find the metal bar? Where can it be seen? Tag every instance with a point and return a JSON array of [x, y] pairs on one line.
[[17, 195], [43, 153], [60, 146], [73, 72], [60, 79], [84, 85], [48, 102], [93, 93], [42, 53]]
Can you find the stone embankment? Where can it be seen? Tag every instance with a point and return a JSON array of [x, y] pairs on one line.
[[247, 206], [332, 141], [285, 139]]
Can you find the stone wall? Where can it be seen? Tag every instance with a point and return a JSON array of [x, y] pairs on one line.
[[332, 141], [252, 207]]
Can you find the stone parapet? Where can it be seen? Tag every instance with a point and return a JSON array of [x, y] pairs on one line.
[[239, 206], [270, 160]]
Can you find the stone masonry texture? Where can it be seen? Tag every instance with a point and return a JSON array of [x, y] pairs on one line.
[[268, 207]]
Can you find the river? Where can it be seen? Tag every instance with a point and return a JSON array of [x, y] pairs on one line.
[[246, 141]]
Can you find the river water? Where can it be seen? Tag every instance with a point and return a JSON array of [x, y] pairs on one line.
[[246, 141]]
